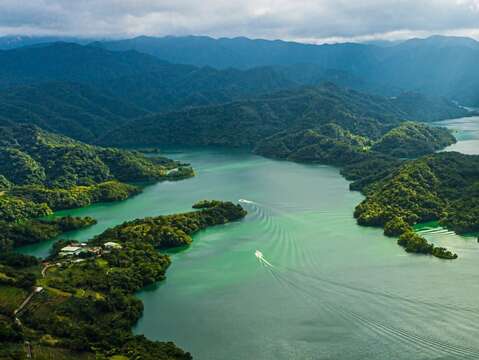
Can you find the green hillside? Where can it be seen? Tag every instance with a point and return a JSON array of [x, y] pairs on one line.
[[244, 123], [139, 79], [42, 172], [412, 140], [442, 187], [87, 308], [333, 145], [74, 110]]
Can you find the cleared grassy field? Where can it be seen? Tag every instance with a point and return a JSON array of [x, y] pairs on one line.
[[11, 298], [40, 352], [43, 304], [14, 351]]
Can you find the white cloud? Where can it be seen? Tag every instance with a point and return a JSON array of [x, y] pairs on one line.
[[309, 20], [472, 4]]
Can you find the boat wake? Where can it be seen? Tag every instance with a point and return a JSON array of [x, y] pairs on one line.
[[313, 288], [244, 201], [259, 255], [271, 220]]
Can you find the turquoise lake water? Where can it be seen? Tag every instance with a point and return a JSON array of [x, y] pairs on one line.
[[331, 290]]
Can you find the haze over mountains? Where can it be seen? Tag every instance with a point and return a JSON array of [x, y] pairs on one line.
[[436, 66], [154, 83], [246, 122], [360, 114], [285, 100], [94, 94]]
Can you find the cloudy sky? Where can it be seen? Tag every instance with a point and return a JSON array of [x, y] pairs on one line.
[[303, 20]]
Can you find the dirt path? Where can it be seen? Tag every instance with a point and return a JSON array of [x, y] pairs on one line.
[[25, 302], [44, 270]]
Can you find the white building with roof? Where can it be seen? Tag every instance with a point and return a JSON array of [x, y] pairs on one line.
[[70, 250], [111, 245]]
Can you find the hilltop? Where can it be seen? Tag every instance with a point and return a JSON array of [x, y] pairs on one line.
[[442, 187], [41, 172], [247, 122]]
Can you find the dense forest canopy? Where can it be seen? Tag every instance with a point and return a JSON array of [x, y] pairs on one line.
[[31, 156], [415, 65], [75, 110], [127, 98], [87, 305], [410, 140], [333, 145], [140, 80], [422, 65], [435, 187], [145, 83], [42, 172], [60, 103], [440, 187], [245, 123]]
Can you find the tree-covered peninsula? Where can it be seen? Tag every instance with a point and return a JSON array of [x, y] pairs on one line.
[[410, 140], [244, 123], [368, 136], [82, 305], [41, 172], [400, 192], [442, 187], [334, 145]]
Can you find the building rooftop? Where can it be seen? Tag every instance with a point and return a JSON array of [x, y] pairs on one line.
[[70, 248], [111, 244]]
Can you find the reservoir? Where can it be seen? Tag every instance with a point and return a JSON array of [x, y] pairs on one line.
[[329, 289]]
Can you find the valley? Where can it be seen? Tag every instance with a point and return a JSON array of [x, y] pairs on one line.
[[327, 269], [170, 198]]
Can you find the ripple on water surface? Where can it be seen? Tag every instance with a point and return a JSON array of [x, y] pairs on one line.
[[333, 290]]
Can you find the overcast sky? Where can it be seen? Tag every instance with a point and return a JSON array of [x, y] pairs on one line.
[[302, 20]]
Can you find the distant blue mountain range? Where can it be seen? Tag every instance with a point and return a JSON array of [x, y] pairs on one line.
[[438, 65]]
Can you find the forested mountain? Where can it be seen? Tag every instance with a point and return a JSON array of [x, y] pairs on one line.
[[73, 62], [331, 144], [16, 41], [244, 53], [410, 140], [428, 108], [88, 307], [244, 123], [442, 187], [32, 156], [434, 187], [143, 80], [436, 66], [41, 172], [72, 109], [83, 91], [440, 66]]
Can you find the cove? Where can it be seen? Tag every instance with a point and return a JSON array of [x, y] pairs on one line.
[[466, 131], [334, 290]]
